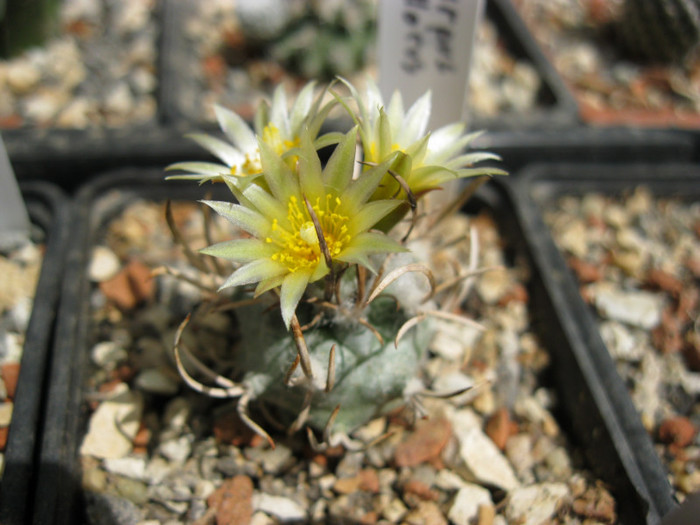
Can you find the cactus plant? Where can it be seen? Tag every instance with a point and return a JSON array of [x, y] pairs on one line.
[[660, 30], [338, 321], [315, 40]]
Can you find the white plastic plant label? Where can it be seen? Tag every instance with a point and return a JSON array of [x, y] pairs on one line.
[[427, 44], [14, 220]]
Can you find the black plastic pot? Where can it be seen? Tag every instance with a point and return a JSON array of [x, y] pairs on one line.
[[520, 148], [65, 416], [67, 156], [49, 214], [589, 417], [572, 326], [555, 105]]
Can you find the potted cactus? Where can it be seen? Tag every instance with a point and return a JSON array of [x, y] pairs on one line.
[[276, 356], [342, 289]]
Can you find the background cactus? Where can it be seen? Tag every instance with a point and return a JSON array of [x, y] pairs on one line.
[[315, 40], [660, 30]]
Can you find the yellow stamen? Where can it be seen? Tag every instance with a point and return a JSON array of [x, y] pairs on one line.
[[298, 242]]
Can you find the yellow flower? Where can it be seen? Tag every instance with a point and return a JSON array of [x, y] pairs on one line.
[[291, 223], [433, 158], [277, 125]]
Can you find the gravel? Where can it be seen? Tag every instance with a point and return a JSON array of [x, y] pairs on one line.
[[647, 309], [190, 456]]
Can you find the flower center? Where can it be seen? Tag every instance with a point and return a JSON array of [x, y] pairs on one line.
[[271, 135], [373, 154], [299, 247], [251, 165]]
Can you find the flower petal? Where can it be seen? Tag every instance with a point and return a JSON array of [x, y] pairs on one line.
[[202, 168], [268, 284], [265, 203], [279, 116], [371, 213], [366, 244], [246, 219], [236, 129], [301, 108], [254, 271], [360, 189], [240, 250], [395, 113], [281, 180], [416, 120], [310, 179], [338, 171], [293, 288], [224, 151]]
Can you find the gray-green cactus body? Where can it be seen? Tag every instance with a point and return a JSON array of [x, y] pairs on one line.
[[369, 376]]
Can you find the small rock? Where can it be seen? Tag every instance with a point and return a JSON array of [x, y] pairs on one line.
[[104, 264], [487, 515], [113, 425], [500, 427], [6, 410], [453, 340], [621, 342], [108, 354], [11, 348], [394, 510], [157, 381], [636, 308], [276, 460], [678, 431], [284, 509], [585, 271], [119, 100], [424, 444], [371, 431], [426, 513], [465, 506], [662, 280], [132, 285], [22, 76], [559, 464], [519, 452], [366, 480], [535, 504], [532, 409], [130, 467], [177, 449], [596, 503], [10, 374], [574, 239], [480, 459], [177, 413], [233, 501], [493, 285]]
